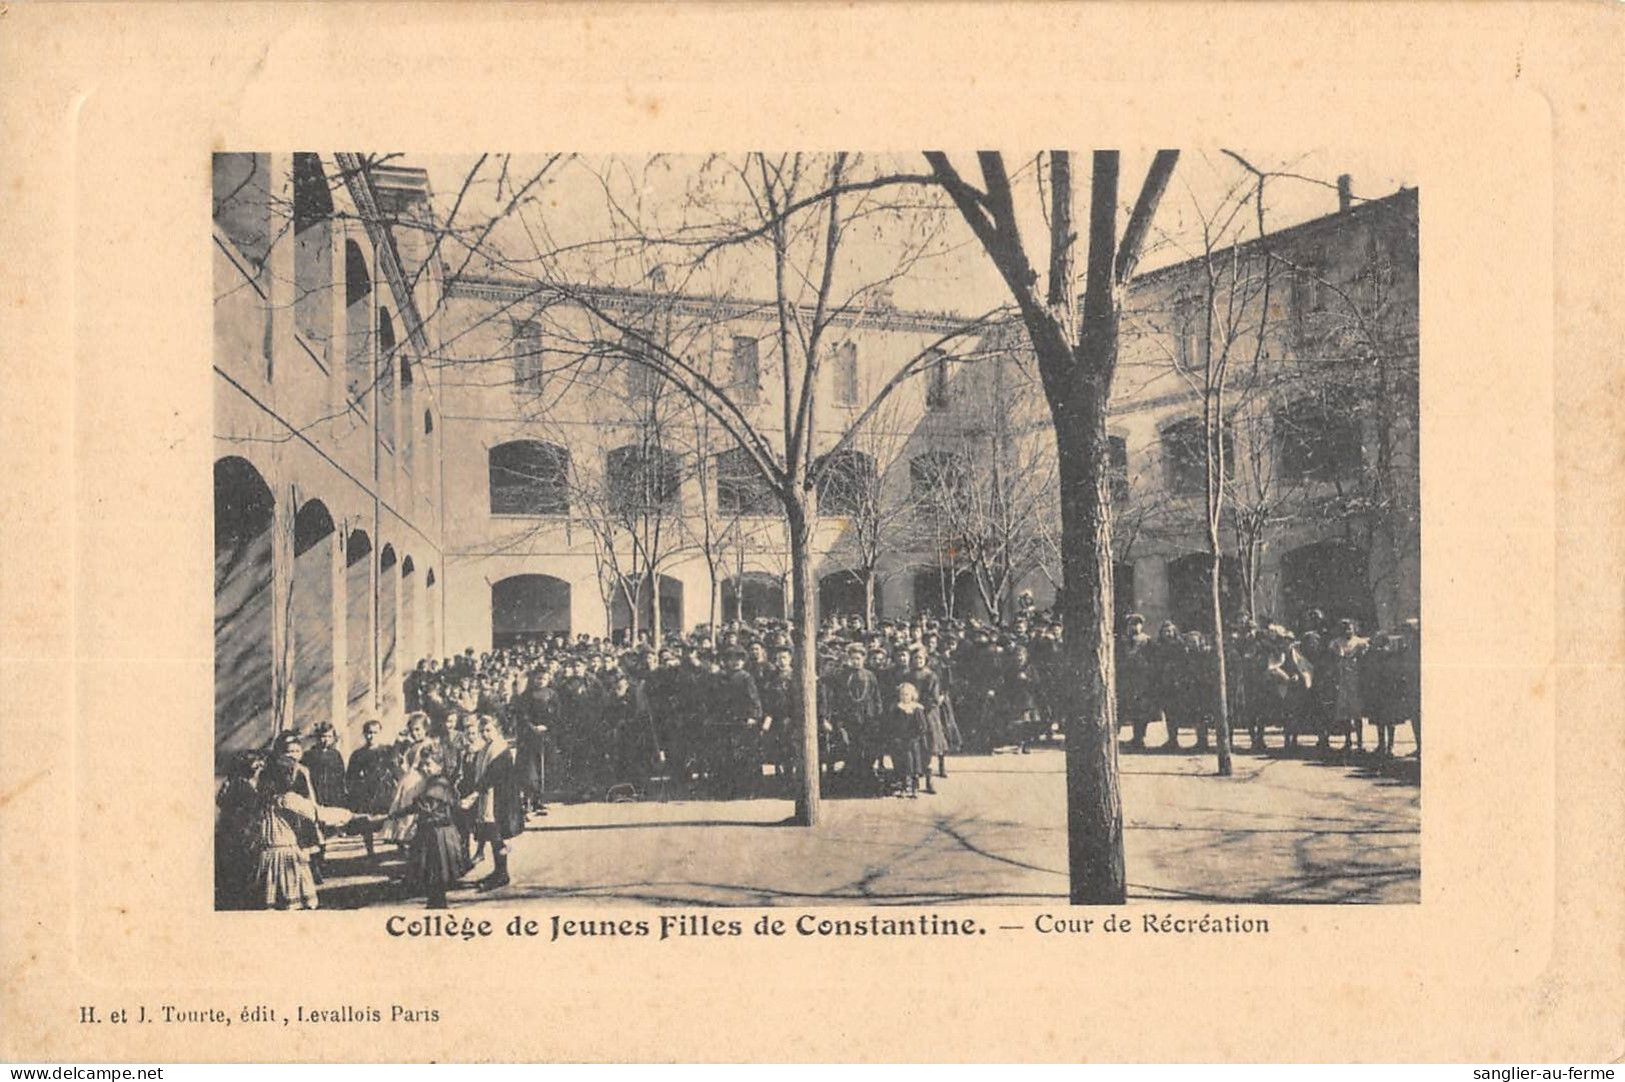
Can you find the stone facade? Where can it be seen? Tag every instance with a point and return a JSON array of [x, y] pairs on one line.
[[407, 467], [328, 549]]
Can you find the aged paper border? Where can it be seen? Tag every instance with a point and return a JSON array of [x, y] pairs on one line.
[[108, 116]]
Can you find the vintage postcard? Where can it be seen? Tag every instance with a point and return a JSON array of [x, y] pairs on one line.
[[781, 533]]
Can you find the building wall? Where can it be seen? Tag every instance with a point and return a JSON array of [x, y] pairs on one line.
[[1324, 315], [311, 629], [588, 404], [403, 470], [584, 406]]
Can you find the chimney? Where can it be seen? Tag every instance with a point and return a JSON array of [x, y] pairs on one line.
[[1345, 194]]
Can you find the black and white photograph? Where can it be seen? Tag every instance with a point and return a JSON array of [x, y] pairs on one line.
[[898, 529], [797, 533]]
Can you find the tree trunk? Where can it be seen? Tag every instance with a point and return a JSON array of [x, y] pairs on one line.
[[869, 597], [804, 636], [654, 609], [1093, 799], [1215, 549], [1221, 716]]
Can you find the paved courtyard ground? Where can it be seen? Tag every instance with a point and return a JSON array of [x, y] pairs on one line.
[[1287, 827]]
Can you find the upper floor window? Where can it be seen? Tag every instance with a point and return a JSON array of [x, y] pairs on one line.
[[741, 488], [849, 484], [528, 370], [1189, 328], [642, 378], [312, 254], [745, 370], [358, 318], [936, 475], [1184, 450], [1310, 290], [529, 477], [1317, 438], [641, 479], [242, 204], [936, 381], [846, 374]]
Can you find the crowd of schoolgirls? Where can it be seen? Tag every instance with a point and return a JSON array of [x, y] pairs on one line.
[[491, 739], [1325, 681]]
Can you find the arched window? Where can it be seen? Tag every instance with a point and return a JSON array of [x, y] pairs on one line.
[[358, 599], [1317, 438], [358, 317], [1184, 452], [849, 485], [938, 591], [938, 474], [1190, 591], [741, 488], [428, 422], [242, 204], [311, 526], [310, 624], [386, 378], [529, 477], [408, 432], [312, 255], [1332, 576], [670, 594], [244, 687], [642, 479], [753, 596], [528, 607], [841, 593]]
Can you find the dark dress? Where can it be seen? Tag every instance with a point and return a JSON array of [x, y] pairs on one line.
[[437, 857], [534, 714], [370, 780], [853, 703], [500, 779], [1017, 704], [904, 730], [929, 686], [950, 719], [326, 766], [1135, 701], [238, 805], [778, 702]]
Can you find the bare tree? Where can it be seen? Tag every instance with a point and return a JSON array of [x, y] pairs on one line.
[[878, 508], [1076, 354], [993, 495], [1219, 323], [792, 215], [717, 526]]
